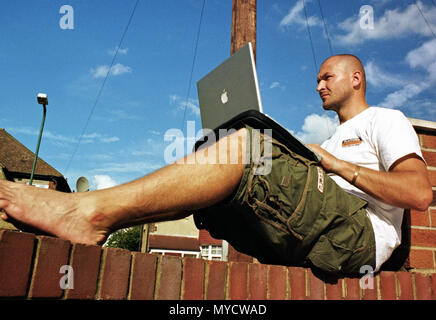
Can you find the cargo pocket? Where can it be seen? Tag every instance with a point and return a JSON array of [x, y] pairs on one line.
[[327, 256], [334, 248], [273, 197]]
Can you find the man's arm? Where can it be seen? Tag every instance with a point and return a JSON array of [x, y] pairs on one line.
[[405, 185]]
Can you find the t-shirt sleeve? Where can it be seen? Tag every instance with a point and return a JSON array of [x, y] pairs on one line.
[[395, 137]]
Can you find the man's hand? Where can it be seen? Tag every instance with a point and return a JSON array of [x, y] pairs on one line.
[[328, 161], [405, 185]]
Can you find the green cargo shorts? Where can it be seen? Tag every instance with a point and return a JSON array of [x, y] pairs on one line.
[[295, 215]]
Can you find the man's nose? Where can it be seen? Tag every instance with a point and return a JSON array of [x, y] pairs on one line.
[[320, 86]]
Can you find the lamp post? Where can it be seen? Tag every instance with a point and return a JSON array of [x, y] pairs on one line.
[[42, 99]]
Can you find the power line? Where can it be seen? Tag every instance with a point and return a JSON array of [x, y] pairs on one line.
[[193, 63], [102, 86], [428, 24], [325, 27], [310, 37]]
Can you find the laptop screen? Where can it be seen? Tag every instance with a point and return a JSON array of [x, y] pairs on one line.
[[229, 89]]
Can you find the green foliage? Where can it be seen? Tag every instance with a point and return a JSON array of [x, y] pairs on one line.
[[128, 238]]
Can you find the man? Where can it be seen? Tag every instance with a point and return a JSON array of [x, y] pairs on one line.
[[297, 214]]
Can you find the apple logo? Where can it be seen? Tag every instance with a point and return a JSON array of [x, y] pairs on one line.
[[224, 97]]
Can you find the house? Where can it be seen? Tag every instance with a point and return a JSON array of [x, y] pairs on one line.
[[16, 163]]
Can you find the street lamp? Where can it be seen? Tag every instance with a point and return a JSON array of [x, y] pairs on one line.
[[42, 99]]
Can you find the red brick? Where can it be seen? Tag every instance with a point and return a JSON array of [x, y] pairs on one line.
[[51, 254], [170, 278], [423, 237], [429, 157], [419, 218], [334, 290], [432, 176], [352, 289], [277, 283], [388, 285], [316, 287], [433, 217], [238, 278], [143, 276], [85, 261], [16, 250], [423, 284], [421, 259], [433, 280], [428, 141], [216, 280], [405, 285], [257, 281], [433, 203], [193, 279], [114, 274], [297, 283], [368, 293]]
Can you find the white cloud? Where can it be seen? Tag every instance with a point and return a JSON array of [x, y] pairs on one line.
[[86, 138], [392, 24], [317, 129], [381, 79], [103, 182], [191, 104], [97, 137], [277, 84], [423, 58], [141, 167], [120, 69], [120, 51], [400, 97], [117, 69], [296, 16]]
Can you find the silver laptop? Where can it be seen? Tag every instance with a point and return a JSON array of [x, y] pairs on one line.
[[230, 89]]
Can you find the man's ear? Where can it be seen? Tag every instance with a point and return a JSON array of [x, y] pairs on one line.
[[357, 79]]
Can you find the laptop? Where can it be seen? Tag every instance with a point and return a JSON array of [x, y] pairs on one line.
[[229, 96]]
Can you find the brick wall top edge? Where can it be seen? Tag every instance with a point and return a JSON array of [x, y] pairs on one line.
[[424, 125]]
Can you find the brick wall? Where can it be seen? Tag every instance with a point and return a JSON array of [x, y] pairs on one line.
[[31, 268], [422, 225]]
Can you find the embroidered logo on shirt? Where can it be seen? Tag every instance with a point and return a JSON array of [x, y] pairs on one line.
[[351, 142], [320, 180]]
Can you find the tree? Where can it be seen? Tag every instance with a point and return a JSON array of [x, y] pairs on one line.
[[128, 238]]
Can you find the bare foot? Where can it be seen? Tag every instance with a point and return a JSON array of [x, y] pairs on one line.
[[66, 215]]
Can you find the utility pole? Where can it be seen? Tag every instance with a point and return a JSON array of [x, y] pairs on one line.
[[243, 31], [243, 25]]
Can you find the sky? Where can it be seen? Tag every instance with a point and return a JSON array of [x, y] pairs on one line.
[[111, 124]]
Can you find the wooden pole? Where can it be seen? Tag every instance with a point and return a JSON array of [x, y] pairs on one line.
[[243, 31], [243, 25]]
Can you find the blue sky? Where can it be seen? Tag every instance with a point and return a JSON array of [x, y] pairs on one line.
[[147, 90]]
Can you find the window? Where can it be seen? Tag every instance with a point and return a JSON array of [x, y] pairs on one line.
[[212, 252], [179, 253]]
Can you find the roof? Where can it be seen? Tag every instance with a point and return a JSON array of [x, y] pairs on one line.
[[15, 157], [204, 238], [157, 241]]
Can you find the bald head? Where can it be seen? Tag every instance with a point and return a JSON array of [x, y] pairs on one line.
[[341, 82], [349, 63]]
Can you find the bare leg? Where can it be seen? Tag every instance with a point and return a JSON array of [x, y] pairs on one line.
[[166, 194]]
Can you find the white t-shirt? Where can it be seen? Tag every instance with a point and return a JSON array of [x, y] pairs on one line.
[[375, 139]]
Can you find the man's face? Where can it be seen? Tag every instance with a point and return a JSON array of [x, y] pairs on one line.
[[334, 84]]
